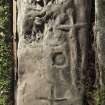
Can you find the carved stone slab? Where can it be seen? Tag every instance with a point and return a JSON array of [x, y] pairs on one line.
[[51, 51]]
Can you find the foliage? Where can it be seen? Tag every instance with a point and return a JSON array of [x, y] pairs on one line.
[[97, 96], [5, 54], [3, 16]]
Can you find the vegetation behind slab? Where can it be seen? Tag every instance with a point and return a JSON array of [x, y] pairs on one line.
[[6, 57]]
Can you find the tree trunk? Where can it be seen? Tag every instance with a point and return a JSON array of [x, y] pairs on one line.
[[53, 51]]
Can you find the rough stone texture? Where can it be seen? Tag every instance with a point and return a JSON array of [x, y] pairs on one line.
[[100, 42], [52, 51]]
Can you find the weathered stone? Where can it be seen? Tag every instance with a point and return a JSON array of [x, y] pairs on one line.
[[52, 51]]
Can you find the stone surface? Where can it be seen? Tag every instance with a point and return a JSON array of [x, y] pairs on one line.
[[100, 43], [53, 37]]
